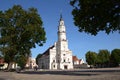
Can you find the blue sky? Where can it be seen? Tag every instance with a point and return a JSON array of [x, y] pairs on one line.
[[79, 43]]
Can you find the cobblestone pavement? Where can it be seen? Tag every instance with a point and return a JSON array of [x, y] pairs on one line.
[[83, 74], [6, 76]]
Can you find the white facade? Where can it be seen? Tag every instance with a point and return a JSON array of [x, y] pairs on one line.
[[57, 56], [31, 63]]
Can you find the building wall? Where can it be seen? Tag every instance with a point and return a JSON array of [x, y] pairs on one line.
[[44, 62], [31, 63], [66, 60], [53, 61], [50, 61], [82, 61]]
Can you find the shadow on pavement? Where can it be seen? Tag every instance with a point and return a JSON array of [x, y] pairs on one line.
[[70, 73], [89, 72]]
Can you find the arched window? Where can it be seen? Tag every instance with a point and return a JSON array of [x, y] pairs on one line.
[[54, 66], [64, 60], [53, 60]]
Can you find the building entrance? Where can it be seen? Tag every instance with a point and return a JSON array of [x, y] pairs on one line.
[[65, 67]]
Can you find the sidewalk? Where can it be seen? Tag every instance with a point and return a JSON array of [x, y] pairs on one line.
[[84, 74]]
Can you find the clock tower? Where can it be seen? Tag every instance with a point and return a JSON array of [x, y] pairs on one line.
[[58, 56], [64, 55]]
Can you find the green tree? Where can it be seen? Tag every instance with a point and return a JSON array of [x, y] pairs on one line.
[[92, 16], [20, 31], [115, 57], [8, 57], [0, 54], [91, 57], [38, 56], [21, 61], [104, 57]]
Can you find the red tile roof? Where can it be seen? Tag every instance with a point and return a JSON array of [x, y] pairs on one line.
[[75, 58], [1, 60]]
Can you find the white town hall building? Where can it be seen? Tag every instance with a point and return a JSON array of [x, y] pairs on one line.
[[57, 56]]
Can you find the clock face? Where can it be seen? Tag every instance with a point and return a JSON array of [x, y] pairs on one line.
[[61, 23], [63, 37]]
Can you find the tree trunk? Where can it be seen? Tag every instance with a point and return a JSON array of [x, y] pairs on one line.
[[9, 66]]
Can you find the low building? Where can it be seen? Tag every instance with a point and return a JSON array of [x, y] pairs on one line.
[[79, 63], [3, 65], [31, 63], [1, 61]]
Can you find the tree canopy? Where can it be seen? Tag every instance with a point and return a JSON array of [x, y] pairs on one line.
[[104, 56], [91, 57], [115, 56], [20, 31], [92, 16]]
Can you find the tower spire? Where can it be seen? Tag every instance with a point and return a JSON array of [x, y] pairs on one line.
[[61, 15]]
